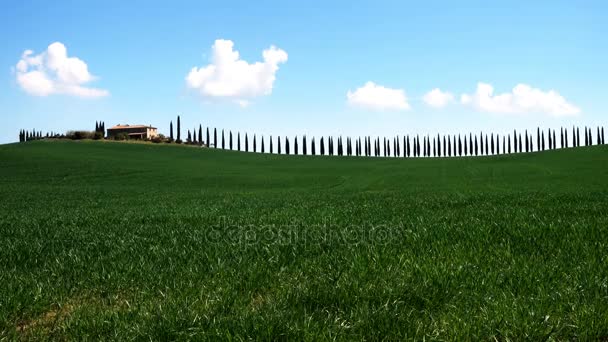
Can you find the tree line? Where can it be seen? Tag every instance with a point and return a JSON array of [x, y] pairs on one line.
[[456, 145], [416, 146]]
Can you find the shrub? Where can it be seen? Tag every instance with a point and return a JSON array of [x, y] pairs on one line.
[[121, 136], [98, 136], [80, 135], [160, 139]]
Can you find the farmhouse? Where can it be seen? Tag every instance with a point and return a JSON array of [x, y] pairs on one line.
[[133, 131]]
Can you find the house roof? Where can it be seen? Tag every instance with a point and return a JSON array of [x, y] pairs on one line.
[[119, 126]]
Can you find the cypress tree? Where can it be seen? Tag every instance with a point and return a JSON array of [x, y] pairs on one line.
[[504, 140], [295, 145], [312, 146], [498, 144], [459, 146], [543, 141], [515, 142], [238, 141], [207, 140], [254, 144], [434, 147], [527, 142], [262, 144], [438, 145], [486, 147], [200, 134], [286, 145], [538, 138], [445, 154], [519, 147], [586, 138], [179, 131], [449, 147], [230, 140], [270, 144], [578, 137], [491, 142], [603, 141], [466, 145], [322, 146], [481, 143], [566, 138], [96, 127], [189, 140], [573, 137], [304, 144], [246, 142], [408, 147], [388, 145], [279, 144], [561, 137], [214, 137], [554, 141], [194, 136], [171, 131], [223, 141]]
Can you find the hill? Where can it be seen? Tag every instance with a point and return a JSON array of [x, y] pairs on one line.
[[103, 240]]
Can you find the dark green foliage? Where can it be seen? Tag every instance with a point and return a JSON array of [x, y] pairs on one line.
[[171, 131], [230, 140], [279, 144], [486, 146], [238, 141], [246, 143], [262, 144], [254, 144], [449, 147], [313, 150], [179, 131], [295, 145], [214, 137], [322, 146], [223, 141]]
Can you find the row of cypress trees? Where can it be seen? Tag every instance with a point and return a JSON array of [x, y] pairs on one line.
[[415, 146], [100, 127], [34, 135]]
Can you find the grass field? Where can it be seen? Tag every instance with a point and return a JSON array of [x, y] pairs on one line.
[[103, 240]]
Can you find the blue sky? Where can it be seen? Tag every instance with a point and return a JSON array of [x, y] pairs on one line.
[[141, 53]]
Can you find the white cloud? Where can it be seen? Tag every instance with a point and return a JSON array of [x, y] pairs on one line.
[[523, 99], [53, 72], [228, 76], [438, 99], [376, 97]]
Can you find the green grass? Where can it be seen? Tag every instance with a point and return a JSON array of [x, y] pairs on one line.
[[131, 241]]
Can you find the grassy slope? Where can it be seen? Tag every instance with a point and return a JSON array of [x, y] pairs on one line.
[[108, 239]]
